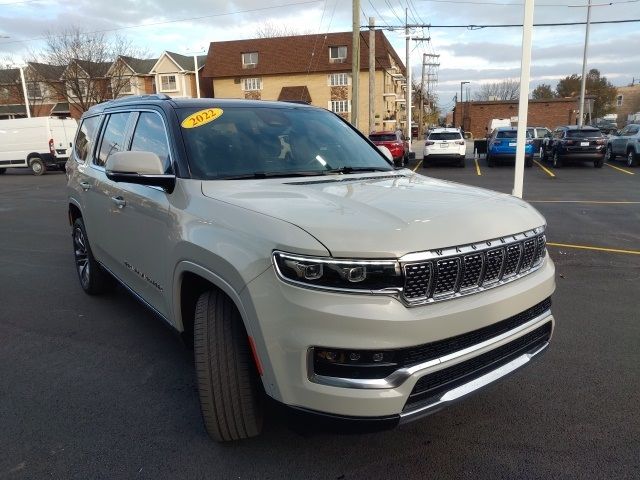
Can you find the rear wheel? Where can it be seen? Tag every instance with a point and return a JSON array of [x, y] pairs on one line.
[[632, 159], [599, 162], [490, 161], [543, 154], [3, 171], [93, 279], [461, 162], [37, 166], [528, 162], [228, 384], [555, 160]]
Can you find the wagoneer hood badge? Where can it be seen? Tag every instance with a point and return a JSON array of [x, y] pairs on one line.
[[383, 216]]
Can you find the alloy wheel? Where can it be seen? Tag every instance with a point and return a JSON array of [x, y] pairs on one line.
[[81, 256], [630, 159]]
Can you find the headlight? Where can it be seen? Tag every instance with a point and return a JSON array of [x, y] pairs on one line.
[[364, 276]]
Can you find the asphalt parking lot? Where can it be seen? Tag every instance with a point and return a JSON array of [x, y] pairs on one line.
[[97, 387]]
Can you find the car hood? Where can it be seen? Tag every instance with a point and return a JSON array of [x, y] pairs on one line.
[[381, 215]]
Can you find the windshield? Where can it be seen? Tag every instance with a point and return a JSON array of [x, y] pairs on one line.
[[583, 133], [384, 137], [445, 136], [510, 134], [256, 141]]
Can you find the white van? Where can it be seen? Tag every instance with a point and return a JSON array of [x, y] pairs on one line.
[[37, 143], [497, 122]]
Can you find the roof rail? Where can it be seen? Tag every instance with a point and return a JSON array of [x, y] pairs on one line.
[[135, 98]]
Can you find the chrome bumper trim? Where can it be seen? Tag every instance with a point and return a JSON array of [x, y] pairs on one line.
[[401, 375], [472, 386]]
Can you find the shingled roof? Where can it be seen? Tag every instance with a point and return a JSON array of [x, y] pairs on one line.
[[297, 94], [47, 71], [9, 75], [140, 66], [186, 62], [295, 54]]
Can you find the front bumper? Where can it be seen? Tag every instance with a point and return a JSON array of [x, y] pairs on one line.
[[292, 320]]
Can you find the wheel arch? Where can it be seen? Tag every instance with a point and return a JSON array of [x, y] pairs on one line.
[[74, 211]]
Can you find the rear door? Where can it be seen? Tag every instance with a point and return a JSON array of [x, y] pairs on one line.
[[619, 142]]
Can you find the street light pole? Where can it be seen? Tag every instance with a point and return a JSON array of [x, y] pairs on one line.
[[195, 62], [584, 66], [25, 93], [461, 108]]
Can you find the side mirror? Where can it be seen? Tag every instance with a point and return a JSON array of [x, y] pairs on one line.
[[141, 168], [386, 152]]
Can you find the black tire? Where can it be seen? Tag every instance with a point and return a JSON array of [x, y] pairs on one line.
[[490, 161], [632, 159], [461, 162], [37, 166], [405, 160], [230, 394], [94, 280], [608, 154], [599, 162], [3, 171], [543, 154], [528, 162], [555, 160]]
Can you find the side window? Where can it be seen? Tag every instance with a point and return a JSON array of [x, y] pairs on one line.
[[85, 138], [113, 138], [150, 136], [633, 130]]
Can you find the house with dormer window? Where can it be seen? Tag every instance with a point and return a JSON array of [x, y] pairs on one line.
[[315, 69]]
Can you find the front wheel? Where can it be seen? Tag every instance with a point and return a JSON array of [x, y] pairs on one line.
[[632, 159], [37, 166], [228, 384], [609, 155]]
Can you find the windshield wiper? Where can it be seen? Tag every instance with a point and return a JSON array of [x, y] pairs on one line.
[[310, 173], [347, 170]]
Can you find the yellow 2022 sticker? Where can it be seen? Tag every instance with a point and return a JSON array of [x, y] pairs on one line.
[[202, 117]]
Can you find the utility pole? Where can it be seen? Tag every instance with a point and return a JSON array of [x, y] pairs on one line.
[[372, 73], [461, 106], [408, 63], [25, 92], [195, 62], [421, 124], [355, 63], [584, 66]]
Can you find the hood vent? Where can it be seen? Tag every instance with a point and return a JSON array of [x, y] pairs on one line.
[[349, 179]]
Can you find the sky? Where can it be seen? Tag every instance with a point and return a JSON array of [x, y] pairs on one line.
[[473, 55]]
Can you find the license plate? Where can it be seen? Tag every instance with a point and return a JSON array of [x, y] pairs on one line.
[[512, 144], [444, 145], [584, 144]]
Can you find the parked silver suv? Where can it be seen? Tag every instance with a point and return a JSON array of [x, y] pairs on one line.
[[626, 144], [304, 267]]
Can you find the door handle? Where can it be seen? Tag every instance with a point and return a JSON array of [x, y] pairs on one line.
[[85, 185], [119, 201]]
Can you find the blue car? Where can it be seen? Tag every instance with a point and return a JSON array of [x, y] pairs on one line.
[[501, 145]]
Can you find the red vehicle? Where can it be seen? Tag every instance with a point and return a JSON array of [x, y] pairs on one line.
[[395, 142]]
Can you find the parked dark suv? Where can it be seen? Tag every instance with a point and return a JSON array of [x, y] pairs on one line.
[[574, 143]]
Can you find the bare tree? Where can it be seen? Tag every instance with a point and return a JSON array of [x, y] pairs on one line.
[[91, 74], [271, 29], [37, 94], [505, 90]]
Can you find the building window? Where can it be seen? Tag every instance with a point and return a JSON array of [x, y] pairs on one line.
[[126, 86], [250, 84], [619, 100], [249, 60], [168, 83], [34, 90], [4, 93], [338, 79], [78, 88], [339, 106], [338, 54]]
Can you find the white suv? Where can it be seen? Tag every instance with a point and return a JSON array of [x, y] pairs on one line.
[[322, 278], [444, 144]]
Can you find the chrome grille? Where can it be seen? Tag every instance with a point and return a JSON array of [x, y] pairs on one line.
[[442, 274]]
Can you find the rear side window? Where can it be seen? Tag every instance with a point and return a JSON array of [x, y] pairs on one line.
[[583, 133], [113, 138], [86, 137], [633, 130], [150, 136], [383, 138], [445, 136], [511, 134]]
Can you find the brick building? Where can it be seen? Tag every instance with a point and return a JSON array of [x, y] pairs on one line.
[[550, 113], [311, 68], [627, 102]]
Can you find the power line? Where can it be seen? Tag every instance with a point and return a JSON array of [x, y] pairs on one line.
[[202, 17], [509, 4], [510, 25]]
